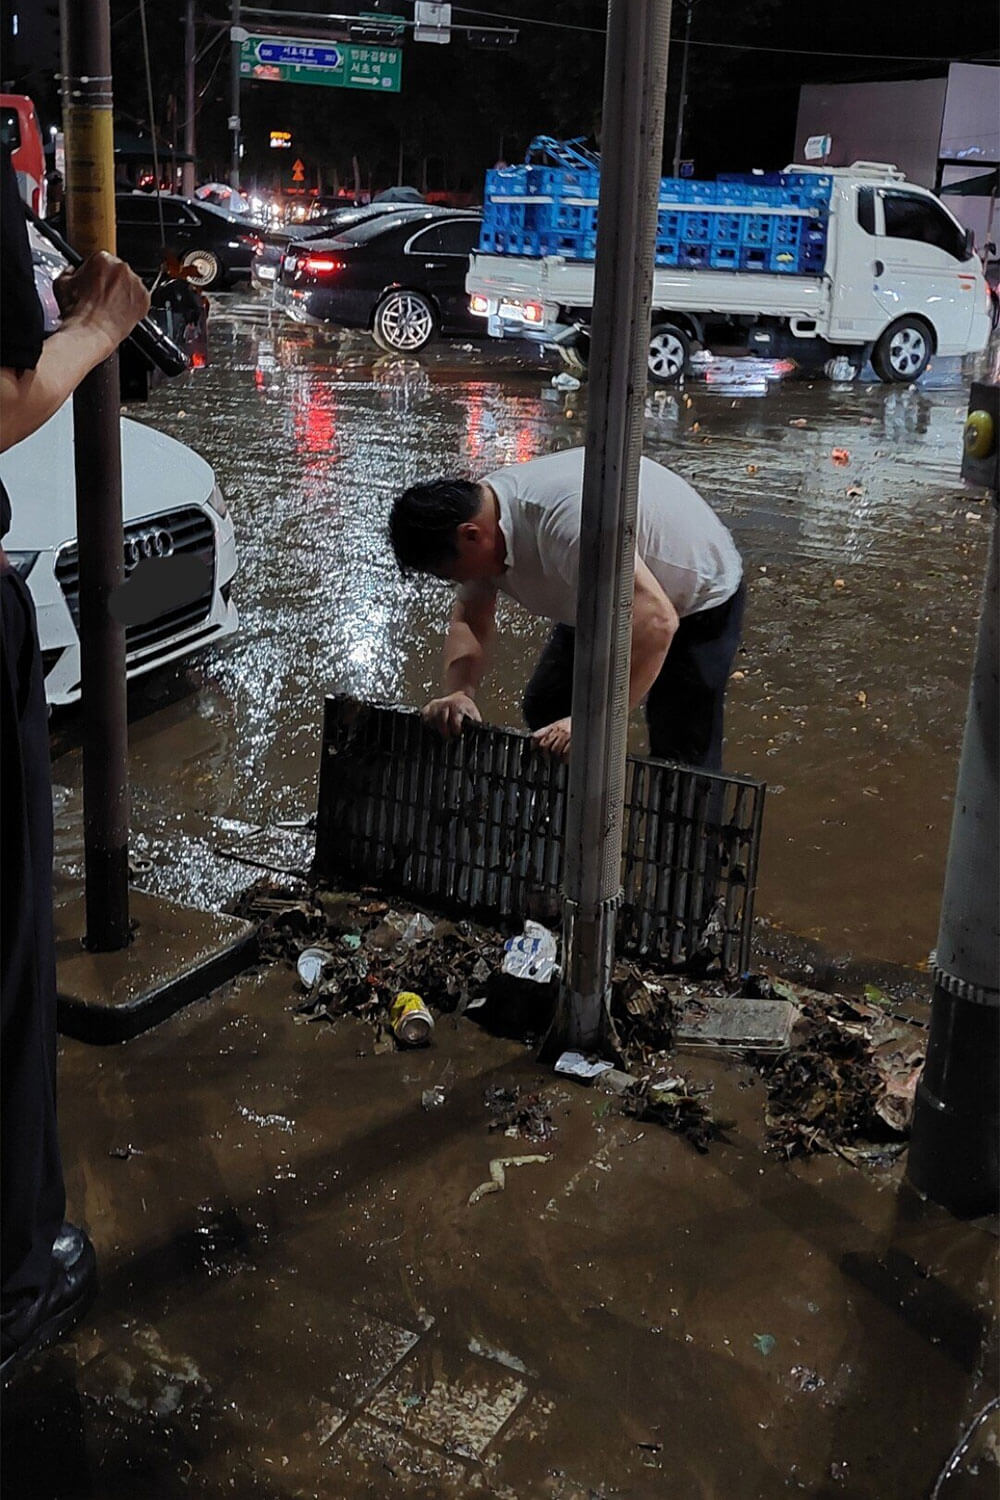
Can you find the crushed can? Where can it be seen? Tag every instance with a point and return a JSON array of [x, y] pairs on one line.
[[411, 1021]]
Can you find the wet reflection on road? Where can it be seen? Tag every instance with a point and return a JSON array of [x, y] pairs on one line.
[[864, 570]]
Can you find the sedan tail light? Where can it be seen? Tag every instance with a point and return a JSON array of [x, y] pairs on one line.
[[320, 265]]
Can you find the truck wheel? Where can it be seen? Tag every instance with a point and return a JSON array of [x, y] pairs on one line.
[[669, 349], [404, 322], [902, 353], [205, 267]]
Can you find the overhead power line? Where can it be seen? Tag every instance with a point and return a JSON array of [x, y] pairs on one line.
[[724, 46], [497, 15]]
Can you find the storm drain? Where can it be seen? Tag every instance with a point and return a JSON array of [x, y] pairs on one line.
[[475, 825]]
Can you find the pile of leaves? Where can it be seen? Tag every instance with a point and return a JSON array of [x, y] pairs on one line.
[[847, 1086], [679, 1104], [644, 1012]]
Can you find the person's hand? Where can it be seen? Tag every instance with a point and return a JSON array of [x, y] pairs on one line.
[[446, 714], [103, 293], [555, 738]]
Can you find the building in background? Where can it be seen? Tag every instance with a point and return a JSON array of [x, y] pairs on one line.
[[944, 133]]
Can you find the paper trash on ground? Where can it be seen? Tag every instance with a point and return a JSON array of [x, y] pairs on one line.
[[578, 1066]]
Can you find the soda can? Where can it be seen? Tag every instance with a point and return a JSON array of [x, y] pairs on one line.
[[410, 1020]]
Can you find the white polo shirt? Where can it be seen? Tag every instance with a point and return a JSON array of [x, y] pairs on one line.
[[678, 536]]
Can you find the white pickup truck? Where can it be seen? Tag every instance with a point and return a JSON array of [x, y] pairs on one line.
[[901, 282]]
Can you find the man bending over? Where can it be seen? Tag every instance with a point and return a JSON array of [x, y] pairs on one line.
[[517, 532]]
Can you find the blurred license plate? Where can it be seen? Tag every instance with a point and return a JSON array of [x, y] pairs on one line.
[[266, 273], [513, 311]]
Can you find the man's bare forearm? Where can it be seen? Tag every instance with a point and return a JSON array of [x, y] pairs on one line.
[[465, 659], [31, 398], [101, 301]]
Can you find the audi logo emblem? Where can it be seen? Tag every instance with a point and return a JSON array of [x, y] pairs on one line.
[[145, 544]]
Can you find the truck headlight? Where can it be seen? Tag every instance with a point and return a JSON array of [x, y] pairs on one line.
[[217, 501]]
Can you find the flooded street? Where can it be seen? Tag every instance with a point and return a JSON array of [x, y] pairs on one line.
[[849, 699], [305, 1292]]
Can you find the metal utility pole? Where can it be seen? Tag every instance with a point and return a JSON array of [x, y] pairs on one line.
[[953, 1156], [190, 104], [682, 93], [234, 92], [90, 215], [635, 86]]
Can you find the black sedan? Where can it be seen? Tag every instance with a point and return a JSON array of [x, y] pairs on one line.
[[270, 244], [401, 276], [215, 246]]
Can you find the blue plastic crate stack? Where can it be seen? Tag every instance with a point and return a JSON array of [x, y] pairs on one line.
[[776, 222]]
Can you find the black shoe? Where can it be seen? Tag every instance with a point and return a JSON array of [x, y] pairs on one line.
[[32, 1324]]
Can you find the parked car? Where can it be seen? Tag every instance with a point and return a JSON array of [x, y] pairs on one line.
[[216, 246], [326, 204], [401, 276], [221, 195], [171, 506], [271, 244]]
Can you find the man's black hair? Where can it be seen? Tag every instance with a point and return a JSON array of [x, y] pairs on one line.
[[424, 519]]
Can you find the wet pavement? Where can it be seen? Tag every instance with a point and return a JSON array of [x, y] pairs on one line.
[[865, 577], [298, 1299]]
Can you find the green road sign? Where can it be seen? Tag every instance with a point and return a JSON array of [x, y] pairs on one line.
[[284, 59]]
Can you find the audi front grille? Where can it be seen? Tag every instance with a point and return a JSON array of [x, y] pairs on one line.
[[187, 531]]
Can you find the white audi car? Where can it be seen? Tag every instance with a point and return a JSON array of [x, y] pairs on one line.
[[171, 506]]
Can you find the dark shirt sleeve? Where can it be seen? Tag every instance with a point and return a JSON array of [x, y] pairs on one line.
[[21, 319], [22, 322]]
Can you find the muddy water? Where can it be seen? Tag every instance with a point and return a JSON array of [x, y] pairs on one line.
[[864, 579]]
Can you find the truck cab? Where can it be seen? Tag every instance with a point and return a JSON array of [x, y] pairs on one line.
[[904, 274]]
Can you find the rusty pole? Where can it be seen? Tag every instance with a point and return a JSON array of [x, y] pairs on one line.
[[635, 86], [90, 216], [190, 103]]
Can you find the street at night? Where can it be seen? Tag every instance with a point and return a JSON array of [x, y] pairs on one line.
[[499, 771]]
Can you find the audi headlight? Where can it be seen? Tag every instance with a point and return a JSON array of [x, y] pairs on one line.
[[217, 501], [22, 562]]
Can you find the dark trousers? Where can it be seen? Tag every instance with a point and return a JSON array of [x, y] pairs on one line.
[[31, 1187], [684, 707]]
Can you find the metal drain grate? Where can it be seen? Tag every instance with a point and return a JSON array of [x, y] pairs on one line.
[[476, 825]]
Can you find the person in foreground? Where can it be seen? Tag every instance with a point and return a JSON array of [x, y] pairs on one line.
[[517, 532], [49, 1270]]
